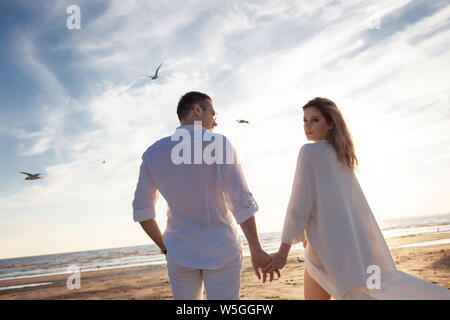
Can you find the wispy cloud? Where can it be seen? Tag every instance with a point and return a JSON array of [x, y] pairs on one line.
[[36, 70]]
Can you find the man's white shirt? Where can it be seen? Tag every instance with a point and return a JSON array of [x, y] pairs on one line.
[[205, 200]]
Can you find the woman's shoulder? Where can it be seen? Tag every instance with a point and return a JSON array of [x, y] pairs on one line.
[[314, 148]]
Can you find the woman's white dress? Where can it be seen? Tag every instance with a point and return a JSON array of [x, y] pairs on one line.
[[346, 252]]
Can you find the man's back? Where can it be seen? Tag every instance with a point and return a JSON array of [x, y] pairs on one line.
[[201, 231]]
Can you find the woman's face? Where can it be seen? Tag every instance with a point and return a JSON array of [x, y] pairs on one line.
[[315, 125]]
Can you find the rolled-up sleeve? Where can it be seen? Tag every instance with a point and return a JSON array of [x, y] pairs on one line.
[[238, 198], [145, 196], [301, 201]]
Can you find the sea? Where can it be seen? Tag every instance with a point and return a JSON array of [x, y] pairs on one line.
[[149, 255]]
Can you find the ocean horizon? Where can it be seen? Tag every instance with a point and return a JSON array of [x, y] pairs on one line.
[[142, 255]]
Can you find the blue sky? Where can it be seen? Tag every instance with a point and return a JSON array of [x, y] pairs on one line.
[[71, 99]]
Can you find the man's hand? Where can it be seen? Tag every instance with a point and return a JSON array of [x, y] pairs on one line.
[[278, 259], [259, 259], [276, 263]]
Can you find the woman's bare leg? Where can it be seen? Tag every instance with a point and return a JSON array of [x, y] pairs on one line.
[[313, 291]]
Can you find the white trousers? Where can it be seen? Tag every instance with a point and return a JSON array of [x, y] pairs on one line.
[[219, 284]]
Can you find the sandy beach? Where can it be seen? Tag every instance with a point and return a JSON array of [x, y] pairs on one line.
[[431, 263]]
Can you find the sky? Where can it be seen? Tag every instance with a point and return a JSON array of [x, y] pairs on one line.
[[72, 98]]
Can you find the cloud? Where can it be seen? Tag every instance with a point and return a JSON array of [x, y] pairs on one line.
[[125, 122], [36, 70]]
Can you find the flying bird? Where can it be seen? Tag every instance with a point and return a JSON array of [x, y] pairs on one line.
[[32, 176], [156, 74], [243, 121]]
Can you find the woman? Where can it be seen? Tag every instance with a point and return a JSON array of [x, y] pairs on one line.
[[346, 255]]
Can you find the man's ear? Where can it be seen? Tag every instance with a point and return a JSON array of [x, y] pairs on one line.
[[196, 108]]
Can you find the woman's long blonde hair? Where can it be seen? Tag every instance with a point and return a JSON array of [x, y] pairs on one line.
[[338, 136]]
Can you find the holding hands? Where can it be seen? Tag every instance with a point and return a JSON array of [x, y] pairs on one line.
[[259, 260], [262, 262], [259, 257], [277, 262]]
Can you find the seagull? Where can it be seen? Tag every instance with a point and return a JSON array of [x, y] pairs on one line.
[[299, 260], [156, 74], [32, 176], [243, 121]]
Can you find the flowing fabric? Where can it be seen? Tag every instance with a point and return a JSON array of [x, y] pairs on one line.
[[346, 250]]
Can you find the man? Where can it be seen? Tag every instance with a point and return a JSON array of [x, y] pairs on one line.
[[204, 198]]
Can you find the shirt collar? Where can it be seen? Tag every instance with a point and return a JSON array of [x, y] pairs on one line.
[[190, 127]]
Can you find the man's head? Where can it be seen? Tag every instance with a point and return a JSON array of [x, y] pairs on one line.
[[197, 106]]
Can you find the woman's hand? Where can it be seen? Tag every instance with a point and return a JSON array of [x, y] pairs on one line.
[[260, 259], [278, 262]]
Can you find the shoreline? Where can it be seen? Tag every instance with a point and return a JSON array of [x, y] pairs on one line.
[[245, 254], [431, 263]]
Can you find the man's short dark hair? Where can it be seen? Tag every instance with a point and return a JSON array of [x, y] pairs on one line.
[[188, 100]]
